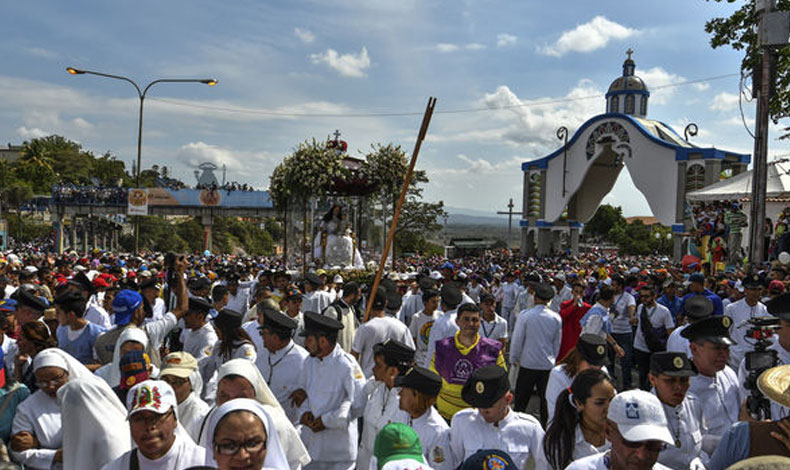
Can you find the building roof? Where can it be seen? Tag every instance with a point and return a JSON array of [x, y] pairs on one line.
[[646, 220]]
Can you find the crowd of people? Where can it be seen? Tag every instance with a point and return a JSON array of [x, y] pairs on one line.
[[88, 195], [229, 187], [160, 361]]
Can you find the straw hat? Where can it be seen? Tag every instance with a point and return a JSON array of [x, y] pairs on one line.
[[774, 383], [765, 462]]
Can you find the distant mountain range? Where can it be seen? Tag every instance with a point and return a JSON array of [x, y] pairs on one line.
[[462, 216]]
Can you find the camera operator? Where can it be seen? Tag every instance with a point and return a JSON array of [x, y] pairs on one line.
[[780, 308], [740, 312], [716, 385]]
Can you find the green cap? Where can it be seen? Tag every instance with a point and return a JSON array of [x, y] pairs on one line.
[[396, 441]]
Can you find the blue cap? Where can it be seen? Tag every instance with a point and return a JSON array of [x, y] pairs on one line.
[[447, 265], [124, 304], [8, 305], [488, 459]]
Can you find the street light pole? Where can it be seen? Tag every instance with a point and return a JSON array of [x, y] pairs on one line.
[[141, 94]]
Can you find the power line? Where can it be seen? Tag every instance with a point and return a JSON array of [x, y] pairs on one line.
[[403, 114]]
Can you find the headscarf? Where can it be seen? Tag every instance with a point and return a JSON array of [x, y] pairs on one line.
[[289, 438], [56, 357], [275, 455], [95, 431], [111, 372]]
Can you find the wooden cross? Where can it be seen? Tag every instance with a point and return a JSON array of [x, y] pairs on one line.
[[509, 214]]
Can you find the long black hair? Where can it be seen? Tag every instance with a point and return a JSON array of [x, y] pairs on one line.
[[560, 438], [329, 215]]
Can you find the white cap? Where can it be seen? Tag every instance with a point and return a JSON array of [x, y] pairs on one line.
[[31, 269], [436, 275], [338, 279], [639, 417], [151, 395], [560, 277]]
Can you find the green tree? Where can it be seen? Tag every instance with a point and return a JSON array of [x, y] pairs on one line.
[[739, 31], [14, 197], [605, 219]]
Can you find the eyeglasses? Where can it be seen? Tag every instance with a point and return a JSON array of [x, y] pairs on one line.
[[60, 380], [149, 421], [174, 381], [233, 447]]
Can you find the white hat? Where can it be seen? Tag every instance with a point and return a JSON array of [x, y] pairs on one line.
[[151, 395], [31, 269], [639, 417], [560, 277], [436, 275], [338, 279]]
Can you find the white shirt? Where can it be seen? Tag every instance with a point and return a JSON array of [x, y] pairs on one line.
[[331, 387], [685, 424], [434, 434], [582, 448], [720, 399], [658, 316], [199, 343], [510, 294], [182, 454], [239, 302], [282, 371], [191, 413], [377, 330], [316, 301], [251, 327], [566, 293], [495, 329], [525, 301], [536, 338], [597, 462], [677, 343], [39, 415], [518, 434], [558, 381], [621, 322], [412, 303], [420, 329], [10, 350], [381, 409], [740, 311], [444, 327], [96, 314]]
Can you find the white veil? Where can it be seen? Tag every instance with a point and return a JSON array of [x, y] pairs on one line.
[[289, 438], [111, 373], [95, 430], [275, 455]]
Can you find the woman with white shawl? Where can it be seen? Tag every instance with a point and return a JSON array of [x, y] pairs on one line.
[[244, 423], [37, 433], [95, 430], [132, 338], [295, 451]]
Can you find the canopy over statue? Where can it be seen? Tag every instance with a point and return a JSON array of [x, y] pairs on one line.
[[563, 190]]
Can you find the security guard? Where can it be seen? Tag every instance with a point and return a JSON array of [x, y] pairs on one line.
[[327, 389], [419, 388], [747, 308], [716, 385], [280, 360], [391, 358], [491, 424], [30, 307], [669, 375], [697, 308]]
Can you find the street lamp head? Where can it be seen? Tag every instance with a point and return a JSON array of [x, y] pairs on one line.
[[209, 81], [74, 71]]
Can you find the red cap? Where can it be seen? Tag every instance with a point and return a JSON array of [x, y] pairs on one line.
[[100, 282], [131, 274], [776, 286]]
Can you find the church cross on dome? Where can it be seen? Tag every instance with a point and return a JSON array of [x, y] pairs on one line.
[[629, 52]]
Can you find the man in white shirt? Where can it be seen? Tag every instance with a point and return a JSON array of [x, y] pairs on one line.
[[280, 360], [422, 323], [534, 347], [564, 292], [378, 329], [315, 299], [198, 335], [492, 326], [741, 311], [152, 421], [510, 295], [624, 310], [239, 297], [660, 325]]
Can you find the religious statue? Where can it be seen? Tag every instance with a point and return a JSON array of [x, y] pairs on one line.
[[337, 246]]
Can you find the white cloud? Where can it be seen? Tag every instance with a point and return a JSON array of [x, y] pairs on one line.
[[474, 46], [504, 39], [724, 102], [34, 133], [656, 78], [702, 86], [41, 53], [304, 35], [348, 65], [588, 37], [446, 47]]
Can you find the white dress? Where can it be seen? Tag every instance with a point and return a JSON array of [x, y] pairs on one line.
[[40, 416]]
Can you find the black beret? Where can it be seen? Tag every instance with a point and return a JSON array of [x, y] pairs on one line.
[[451, 296], [68, 297], [28, 298], [489, 459], [420, 379], [485, 386], [395, 353], [753, 282], [593, 349], [149, 283], [544, 291], [278, 320], [314, 279], [199, 304], [199, 283], [715, 329], [315, 323], [673, 364], [698, 306], [229, 317]]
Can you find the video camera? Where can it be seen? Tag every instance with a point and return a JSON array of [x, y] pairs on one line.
[[758, 361]]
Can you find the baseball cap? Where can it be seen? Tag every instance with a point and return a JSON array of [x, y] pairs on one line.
[[397, 441], [134, 369], [151, 395], [8, 305], [180, 364], [124, 304], [639, 417], [488, 459]]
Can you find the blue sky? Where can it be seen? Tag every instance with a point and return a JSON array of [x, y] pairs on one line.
[[292, 59]]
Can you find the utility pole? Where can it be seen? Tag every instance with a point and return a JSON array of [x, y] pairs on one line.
[[773, 31]]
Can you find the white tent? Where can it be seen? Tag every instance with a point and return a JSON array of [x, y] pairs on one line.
[[740, 186]]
